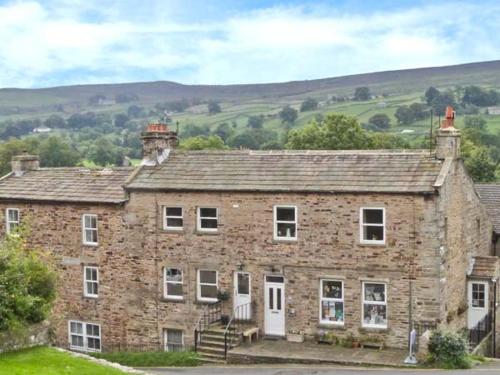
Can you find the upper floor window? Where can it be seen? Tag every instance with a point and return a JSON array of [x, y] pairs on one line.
[[207, 219], [84, 336], [173, 218], [332, 302], [372, 225], [89, 229], [174, 340], [285, 223], [12, 219], [173, 283], [374, 305], [90, 282], [207, 285]]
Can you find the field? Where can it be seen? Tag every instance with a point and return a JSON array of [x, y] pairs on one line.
[[48, 361], [239, 102]]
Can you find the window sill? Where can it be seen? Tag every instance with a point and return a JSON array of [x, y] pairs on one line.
[[204, 302], [90, 297], [374, 329], [208, 232], [373, 244], [90, 244], [172, 300], [340, 327], [284, 240]]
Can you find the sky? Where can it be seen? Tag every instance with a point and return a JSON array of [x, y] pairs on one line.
[[65, 42]]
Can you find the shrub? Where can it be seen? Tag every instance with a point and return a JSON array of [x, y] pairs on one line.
[[27, 284], [149, 359], [448, 350]]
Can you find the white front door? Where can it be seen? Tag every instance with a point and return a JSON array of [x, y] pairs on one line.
[[274, 316], [242, 296], [478, 302]]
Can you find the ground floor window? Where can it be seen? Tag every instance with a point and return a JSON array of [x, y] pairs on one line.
[[174, 340], [84, 336], [331, 302], [374, 305], [207, 285]]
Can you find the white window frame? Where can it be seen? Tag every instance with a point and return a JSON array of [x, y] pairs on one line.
[[321, 299], [165, 338], [377, 303], [9, 222], [276, 222], [362, 226], [85, 229], [165, 217], [165, 282], [199, 284], [85, 336], [486, 296], [85, 282], [198, 216]]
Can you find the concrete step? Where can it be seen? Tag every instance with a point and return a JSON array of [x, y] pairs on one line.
[[203, 349], [211, 355], [214, 343], [212, 361]]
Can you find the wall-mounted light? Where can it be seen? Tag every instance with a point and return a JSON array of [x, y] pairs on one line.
[[241, 266]]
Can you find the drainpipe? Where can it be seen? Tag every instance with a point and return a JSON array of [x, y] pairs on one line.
[[495, 319], [410, 280]]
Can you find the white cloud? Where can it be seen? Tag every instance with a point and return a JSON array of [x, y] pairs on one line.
[[64, 43]]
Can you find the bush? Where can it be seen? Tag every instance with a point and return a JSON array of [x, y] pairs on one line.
[[149, 359], [448, 350], [27, 284]]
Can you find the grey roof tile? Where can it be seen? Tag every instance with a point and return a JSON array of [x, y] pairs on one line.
[[489, 194]]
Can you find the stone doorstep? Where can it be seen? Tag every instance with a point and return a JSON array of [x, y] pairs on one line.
[[309, 353]]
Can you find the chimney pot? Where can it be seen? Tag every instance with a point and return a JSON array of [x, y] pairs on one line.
[[448, 137], [156, 139]]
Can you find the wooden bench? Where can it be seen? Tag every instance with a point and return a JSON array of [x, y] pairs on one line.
[[250, 332]]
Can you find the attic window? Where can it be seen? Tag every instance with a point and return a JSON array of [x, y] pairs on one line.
[[372, 225]]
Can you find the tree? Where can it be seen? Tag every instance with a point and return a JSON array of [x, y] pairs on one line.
[[404, 115], [381, 121], [309, 104], [224, 131], [135, 111], [386, 141], [81, 120], [475, 122], [28, 283], [443, 100], [103, 152], [480, 165], [213, 107], [255, 122], [362, 93], [212, 142], [288, 114], [55, 152], [477, 96], [192, 130], [430, 94], [335, 132], [55, 122], [419, 111], [120, 120]]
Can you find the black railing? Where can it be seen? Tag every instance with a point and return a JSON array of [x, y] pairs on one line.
[[480, 331], [211, 313], [232, 334]]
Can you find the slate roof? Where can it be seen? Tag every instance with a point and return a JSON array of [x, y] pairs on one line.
[[67, 184], [489, 194], [293, 171], [485, 267]]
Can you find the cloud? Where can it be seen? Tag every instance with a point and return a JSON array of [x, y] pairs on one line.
[[67, 42]]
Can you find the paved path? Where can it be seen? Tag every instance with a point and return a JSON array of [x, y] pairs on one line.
[[491, 368]]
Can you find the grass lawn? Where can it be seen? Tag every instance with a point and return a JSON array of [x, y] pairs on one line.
[[49, 361], [149, 359]]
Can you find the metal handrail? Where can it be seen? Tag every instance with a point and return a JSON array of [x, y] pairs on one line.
[[240, 314], [211, 313]]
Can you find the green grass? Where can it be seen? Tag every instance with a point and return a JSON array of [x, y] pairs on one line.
[[49, 361], [149, 359]]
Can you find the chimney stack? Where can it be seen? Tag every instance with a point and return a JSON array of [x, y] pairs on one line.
[[157, 139], [24, 162], [448, 137]]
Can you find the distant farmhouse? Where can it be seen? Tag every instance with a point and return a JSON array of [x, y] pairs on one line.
[[363, 243], [495, 111]]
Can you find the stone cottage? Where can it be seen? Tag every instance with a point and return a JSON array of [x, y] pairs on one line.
[[354, 242]]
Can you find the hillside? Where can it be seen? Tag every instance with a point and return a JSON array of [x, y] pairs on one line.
[[73, 98]]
